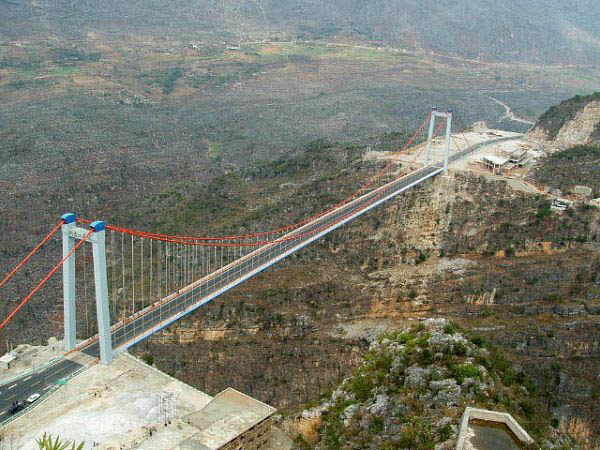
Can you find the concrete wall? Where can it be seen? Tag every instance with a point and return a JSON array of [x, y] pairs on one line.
[[254, 439], [490, 416]]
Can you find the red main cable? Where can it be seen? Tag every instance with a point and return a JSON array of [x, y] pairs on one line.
[[46, 278], [264, 233], [33, 252]]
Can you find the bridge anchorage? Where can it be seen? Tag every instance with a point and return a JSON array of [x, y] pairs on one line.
[[97, 237]]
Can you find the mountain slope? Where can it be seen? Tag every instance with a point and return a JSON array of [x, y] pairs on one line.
[[546, 31], [575, 121]]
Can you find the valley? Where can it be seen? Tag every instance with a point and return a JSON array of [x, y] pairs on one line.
[[226, 118]]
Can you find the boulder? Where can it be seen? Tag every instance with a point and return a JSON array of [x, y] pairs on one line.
[[380, 405], [448, 392], [416, 376]]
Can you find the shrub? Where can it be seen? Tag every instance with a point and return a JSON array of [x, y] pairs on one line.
[[478, 341], [361, 386], [377, 424], [528, 408], [426, 357], [459, 349], [403, 338], [463, 371]]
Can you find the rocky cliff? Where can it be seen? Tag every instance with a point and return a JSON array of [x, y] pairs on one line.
[[413, 386], [573, 122]]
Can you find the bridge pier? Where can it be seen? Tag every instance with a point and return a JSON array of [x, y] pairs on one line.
[[70, 233], [430, 135], [70, 318], [448, 116], [448, 137]]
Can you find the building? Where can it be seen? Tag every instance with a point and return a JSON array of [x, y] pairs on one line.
[[230, 421], [505, 163], [494, 163], [7, 360], [560, 204]]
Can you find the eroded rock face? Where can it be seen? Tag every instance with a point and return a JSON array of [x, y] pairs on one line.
[[582, 129]]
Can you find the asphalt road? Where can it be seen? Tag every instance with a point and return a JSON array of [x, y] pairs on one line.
[[37, 382], [159, 317]]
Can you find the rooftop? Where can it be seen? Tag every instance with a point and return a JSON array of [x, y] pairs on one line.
[[229, 414], [8, 357], [496, 160]]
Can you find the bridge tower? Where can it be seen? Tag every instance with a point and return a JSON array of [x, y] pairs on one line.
[[448, 116], [70, 232]]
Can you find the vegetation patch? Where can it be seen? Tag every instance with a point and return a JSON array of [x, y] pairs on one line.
[[395, 401]]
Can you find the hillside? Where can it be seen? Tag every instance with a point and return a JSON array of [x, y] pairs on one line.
[[575, 121], [426, 253], [540, 31], [579, 165], [413, 385]]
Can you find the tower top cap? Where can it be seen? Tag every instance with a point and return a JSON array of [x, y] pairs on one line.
[[98, 225], [69, 218]]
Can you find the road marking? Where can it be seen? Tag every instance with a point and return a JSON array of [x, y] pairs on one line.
[[2, 413], [27, 378], [46, 388], [12, 386]]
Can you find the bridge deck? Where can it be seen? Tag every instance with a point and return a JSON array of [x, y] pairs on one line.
[[152, 319]]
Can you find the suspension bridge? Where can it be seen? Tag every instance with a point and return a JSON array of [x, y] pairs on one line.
[[145, 281]]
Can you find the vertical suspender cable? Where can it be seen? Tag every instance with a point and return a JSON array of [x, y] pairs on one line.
[[85, 299], [159, 269], [123, 296], [142, 271], [132, 280], [113, 281], [151, 270], [166, 269]]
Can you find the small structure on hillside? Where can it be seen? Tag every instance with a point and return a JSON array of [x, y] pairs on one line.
[[479, 127], [494, 163], [7, 360], [561, 204]]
